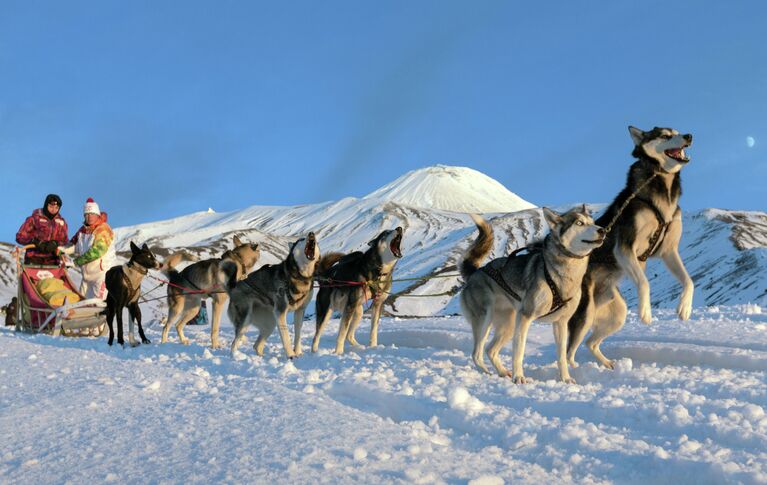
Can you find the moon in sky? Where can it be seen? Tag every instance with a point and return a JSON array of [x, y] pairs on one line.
[[750, 141]]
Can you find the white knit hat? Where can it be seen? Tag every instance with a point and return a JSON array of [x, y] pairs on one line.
[[91, 207]]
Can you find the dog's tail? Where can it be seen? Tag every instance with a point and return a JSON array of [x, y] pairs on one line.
[[479, 250], [169, 265], [326, 261]]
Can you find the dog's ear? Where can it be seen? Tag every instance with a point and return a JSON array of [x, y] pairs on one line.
[[585, 210], [254, 246], [636, 134], [133, 248], [145, 247], [237, 241], [552, 218]]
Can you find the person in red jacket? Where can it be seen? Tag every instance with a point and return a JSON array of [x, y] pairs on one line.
[[47, 230]]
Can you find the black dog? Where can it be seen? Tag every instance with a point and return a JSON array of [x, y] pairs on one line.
[[123, 284]]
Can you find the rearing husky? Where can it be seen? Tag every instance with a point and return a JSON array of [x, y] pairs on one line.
[[266, 296], [510, 292], [645, 221]]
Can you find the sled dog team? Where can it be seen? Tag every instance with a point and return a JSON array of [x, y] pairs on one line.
[[570, 279]]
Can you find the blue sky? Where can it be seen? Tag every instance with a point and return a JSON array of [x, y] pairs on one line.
[[159, 108]]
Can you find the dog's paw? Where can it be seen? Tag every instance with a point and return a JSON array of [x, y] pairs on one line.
[[185, 341], [217, 345], [522, 380], [568, 380], [609, 364], [645, 313], [684, 310], [146, 341], [573, 363]]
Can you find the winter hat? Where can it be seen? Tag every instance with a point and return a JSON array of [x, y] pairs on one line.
[[52, 198], [91, 207]]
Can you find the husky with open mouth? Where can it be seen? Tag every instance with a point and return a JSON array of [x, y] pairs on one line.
[[266, 296], [646, 222], [352, 279], [508, 293]]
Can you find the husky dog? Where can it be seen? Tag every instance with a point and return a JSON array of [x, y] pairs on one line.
[[372, 270], [211, 275], [266, 296], [646, 222], [510, 292], [123, 284]]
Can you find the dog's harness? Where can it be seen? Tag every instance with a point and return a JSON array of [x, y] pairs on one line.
[[133, 292], [556, 297], [295, 273], [258, 291], [655, 239]]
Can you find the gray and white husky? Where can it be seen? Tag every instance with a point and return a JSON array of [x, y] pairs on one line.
[[646, 222], [510, 292], [266, 296], [373, 271], [184, 294]]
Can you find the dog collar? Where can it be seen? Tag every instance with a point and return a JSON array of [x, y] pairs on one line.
[[566, 251], [138, 268]]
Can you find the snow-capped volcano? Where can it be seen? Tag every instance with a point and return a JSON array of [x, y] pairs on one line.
[[456, 189]]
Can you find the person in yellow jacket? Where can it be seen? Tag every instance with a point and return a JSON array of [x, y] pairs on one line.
[[93, 246]]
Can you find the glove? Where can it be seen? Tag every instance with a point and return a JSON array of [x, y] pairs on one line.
[[49, 247]]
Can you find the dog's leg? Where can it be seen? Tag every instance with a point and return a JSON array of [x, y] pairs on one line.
[[175, 308], [282, 327], [298, 323], [354, 323], [189, 312], [131, 324], [239, 335], [674, 264], [560, 337], [627, 260], [580, 323], [119, 315], [503, 333], [218, 308], [323, 316], [137, 314], [374, 319], [343, 327], [609, 318], [522, 325], [480, 329], [110, 319]]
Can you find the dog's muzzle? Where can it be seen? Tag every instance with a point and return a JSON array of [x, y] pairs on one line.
[[311, 245]]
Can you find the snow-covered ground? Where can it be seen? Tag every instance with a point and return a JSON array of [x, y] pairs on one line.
[[684, 405]]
